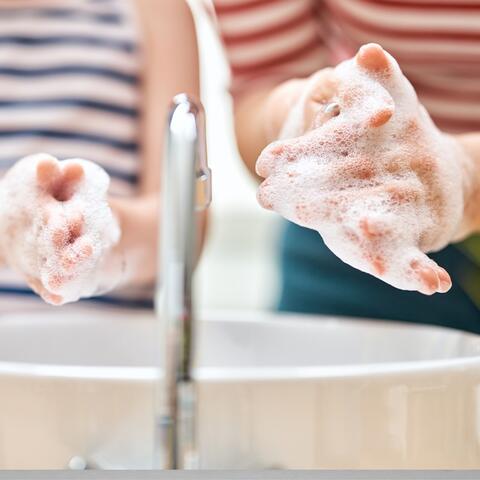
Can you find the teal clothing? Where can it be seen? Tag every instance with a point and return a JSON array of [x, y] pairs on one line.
[[314, 280]]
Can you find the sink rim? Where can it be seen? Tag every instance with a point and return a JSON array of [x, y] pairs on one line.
[[236, 374], [151, 374]]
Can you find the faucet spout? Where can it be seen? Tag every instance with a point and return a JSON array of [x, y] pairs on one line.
[[186, 190]]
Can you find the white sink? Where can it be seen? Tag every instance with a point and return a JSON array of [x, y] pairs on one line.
[[274, 391]]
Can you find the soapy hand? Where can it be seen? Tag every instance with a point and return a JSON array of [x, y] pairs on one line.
[[362, 163], [56, 228]]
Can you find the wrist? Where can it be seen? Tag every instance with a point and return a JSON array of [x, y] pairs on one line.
[[469, 163]]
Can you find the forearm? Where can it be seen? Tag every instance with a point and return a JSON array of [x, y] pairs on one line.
[[171, 67], [470, 163]]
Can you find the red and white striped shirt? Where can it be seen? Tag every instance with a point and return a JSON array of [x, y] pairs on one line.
[[436, 42]]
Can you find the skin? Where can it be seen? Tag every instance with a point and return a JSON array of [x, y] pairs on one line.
[[73, 248], [260, 117], [169, 46]]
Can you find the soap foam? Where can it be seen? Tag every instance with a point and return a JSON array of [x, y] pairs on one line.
[[39, 236], [379, 181]]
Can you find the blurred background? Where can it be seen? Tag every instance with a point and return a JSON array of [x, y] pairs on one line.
[[238, 265]]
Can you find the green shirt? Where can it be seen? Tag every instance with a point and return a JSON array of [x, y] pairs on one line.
[[316, 281]]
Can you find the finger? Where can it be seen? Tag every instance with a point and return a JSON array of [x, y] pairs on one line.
[[77, 253], [60, 238], [51, 298], [56, 281], [37, 286], [429, 276], [285, 152], [272, 155], [354, 251], [373, 234], [372, 229], [73, 172], [375, 103], [376, 261], [75, 227], [367, 238], [358, 168], [379, 108], [322, 85], [34, 284], [404, 193], [381, 116], [66, 185], [265, 195], [65, 231], [445, 280], [373, 59], [280, 192], [52, 214], [320, 105], [397, 193], [48, 173]]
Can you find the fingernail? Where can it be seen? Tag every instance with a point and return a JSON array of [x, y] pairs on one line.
[[445, 285]]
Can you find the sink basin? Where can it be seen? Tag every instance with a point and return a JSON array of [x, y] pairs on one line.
[[277, 391]]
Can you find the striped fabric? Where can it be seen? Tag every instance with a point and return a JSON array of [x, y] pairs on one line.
[[269, 40], [437, 43], [69, 86]]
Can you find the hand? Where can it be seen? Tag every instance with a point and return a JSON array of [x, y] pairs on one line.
[[56, 225], [296, 106], [370, 172]]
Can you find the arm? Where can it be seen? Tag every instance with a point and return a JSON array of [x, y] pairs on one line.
[[63, 250], [279, 43], [470, 143], [171, 67]]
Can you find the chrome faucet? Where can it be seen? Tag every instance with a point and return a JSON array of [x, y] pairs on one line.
[[186, 190]]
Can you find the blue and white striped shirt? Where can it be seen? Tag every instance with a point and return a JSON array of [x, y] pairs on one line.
[[69, 86]]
